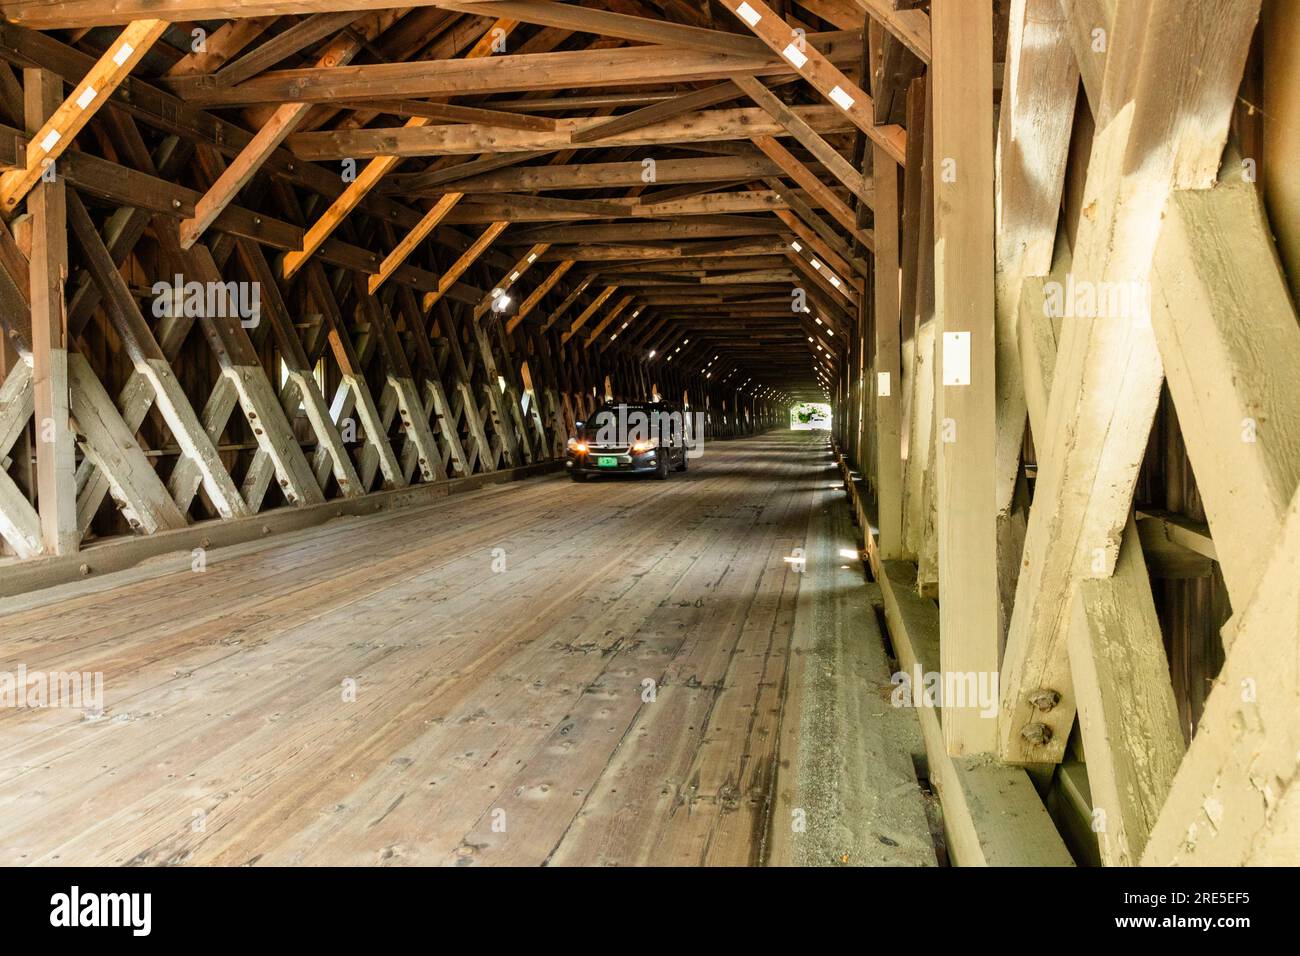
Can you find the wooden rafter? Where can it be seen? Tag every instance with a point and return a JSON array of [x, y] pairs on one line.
[[626, 66], [467, 259], [273, 132], [412, 239], [369, 177], [818, 70], [57, 131]]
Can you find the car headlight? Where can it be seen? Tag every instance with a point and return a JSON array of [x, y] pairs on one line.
[[641, 447], [577, 447]]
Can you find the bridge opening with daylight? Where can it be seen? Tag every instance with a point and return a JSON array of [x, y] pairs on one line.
[[650, 433]]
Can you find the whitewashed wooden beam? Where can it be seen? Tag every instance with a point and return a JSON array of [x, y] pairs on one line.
[[135, 486], [1166, 109], [1230, 343], [1127, 713], [1036, 124], [1233, 800], [886, 390]]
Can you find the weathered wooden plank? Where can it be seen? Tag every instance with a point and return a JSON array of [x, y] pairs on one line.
[[301, 379], [1168, 98], [966, 396], [1039, 89], [627, 66], [1230, 346], [150, 363], [55, 448], [61, 121], [470, 139], [1232, 801], [888, 386], [136, 487], [1127, 713]]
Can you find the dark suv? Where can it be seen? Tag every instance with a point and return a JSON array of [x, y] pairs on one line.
[[627, 438]]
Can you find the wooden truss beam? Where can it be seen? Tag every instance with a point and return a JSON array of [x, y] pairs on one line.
[[1127, 714], [526, 307], [1216, 274], [356, 191], [611, 24], [964, 226], [628, 66], [532, 179], [794, 124], [507, 282], [55, 453], [1163, 123], [57, 131], [812, 65], [470, 139], [655, 113], [466, 259], [412, 239], [152, 365], [1234, 799], [273, 132]]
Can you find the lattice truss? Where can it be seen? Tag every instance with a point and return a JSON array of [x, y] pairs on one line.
[[1054, 596]]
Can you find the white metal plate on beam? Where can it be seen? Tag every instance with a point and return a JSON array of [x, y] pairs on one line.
[[956, 358]]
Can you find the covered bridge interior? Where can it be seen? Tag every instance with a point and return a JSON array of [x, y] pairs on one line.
[[303, 303]]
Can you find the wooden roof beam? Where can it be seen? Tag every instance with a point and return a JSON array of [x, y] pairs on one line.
[[818, 190], [571, 298], [468, 139], [534, 297], [656, 113], [514, 275], [819, 71], [469, 76], [588, 312], [609, 318], [450, 113], [87, 96], [827, 155], [413, 239], [222, 46], [910, 27], [279, 48], [272, 133], [467, 259], [375, 170], [610, 24]]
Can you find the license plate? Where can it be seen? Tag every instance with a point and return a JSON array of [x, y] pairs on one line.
[[606, 462]]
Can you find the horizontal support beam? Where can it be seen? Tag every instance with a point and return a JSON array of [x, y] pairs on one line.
[[628, 66], [471, 139]]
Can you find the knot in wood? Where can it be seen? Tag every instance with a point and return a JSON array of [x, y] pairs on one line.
[[1044, 699], [1037, 733]]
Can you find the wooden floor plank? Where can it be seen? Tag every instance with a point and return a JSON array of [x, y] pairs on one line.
[[500, 712]]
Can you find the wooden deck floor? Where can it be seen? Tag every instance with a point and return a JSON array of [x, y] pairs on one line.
[[502, 715]]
